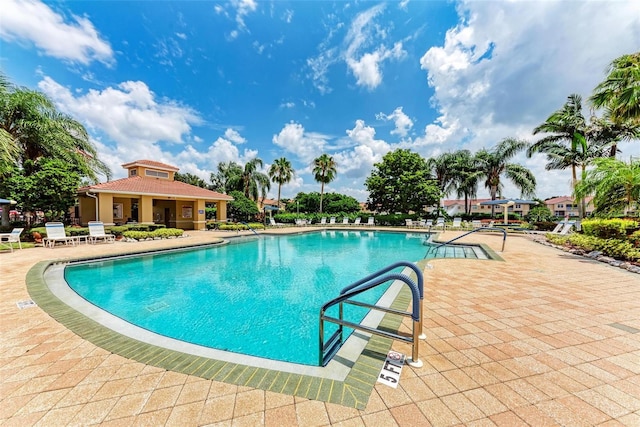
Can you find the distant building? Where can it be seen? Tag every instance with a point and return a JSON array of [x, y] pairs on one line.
[[566, 206], [149, 195], [455, 207]]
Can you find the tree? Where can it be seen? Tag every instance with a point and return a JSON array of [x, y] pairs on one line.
[[566, 143], [31, 128], [324, 171], [51, 187], [222, 180], [619, 93], [191, 179], [247, 179], [281, 172], [465, 177], [402, 182], [616, 185], [493, 164], [241, 208]]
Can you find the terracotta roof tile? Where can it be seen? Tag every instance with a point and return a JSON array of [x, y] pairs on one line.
[[159, 187]]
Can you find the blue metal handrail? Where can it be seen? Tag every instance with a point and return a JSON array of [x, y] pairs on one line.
[[331, 346], [249, 227], [504, 238]]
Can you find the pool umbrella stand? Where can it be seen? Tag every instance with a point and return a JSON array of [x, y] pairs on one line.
[[506, 203]]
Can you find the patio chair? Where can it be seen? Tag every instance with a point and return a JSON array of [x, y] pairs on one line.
[[273, 223], [440, 224], [371, 221], [476, 223], [332, 220], [345, 221], [56, 233], [457, 223], [7, 239], [96, 232], [323, 220], [357, 221], [408, 222]]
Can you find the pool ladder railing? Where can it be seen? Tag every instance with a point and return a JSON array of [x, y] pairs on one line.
[[249, 227], [435, 248], [331, 346]]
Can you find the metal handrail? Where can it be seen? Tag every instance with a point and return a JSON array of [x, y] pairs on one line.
[[329, 348], [504, 238], [249, 227]]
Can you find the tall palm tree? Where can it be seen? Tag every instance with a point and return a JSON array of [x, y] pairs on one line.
[[441, 168], [494, 163], [324, 171], [30, 122], [250, 181], [281, 172], [466, 176], [620, 91], [228, 172]]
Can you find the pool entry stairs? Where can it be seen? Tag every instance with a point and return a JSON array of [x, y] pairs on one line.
[[449, 250], [328, 348]]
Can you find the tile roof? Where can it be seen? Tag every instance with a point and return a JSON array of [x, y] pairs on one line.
[[562, 199], [151, 163], [156, 187]]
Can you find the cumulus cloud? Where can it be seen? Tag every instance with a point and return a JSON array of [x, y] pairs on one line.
[[402, 122], [367, 150], [128, 113], [293, 139], [496, 76], [75, 40]]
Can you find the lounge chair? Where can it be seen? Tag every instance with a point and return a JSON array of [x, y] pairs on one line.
[[428, 223], [357, 221], [371, 221], [96, 232], [408, 222], [56, 233], [440, 224], [345, 221], [273, 223], [476, 223], [332, 220], [323, 220], [566, 227], [7, 239], [457, 223]]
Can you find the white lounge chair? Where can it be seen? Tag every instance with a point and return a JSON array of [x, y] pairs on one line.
[[457, 223], [428, 223], [7, 239], [409, 223], [345, 221], [332, 220], [476, 223], [371, 221], [56, 233], [440, 224], [357, 221], [323, 220], [96, 232], [273, 223]]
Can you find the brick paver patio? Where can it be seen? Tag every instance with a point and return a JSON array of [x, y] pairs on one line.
[[543, 338]]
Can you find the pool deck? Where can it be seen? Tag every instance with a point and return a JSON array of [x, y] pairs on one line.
[[541, 338]]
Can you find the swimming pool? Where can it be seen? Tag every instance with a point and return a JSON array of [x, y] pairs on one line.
[[260, 297]]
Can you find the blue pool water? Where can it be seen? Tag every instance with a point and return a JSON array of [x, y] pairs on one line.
[[260, 297]]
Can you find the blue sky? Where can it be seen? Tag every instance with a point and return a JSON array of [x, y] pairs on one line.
[[195, 83]]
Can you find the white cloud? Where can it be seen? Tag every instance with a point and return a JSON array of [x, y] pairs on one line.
[[358, 162], [294, 139], [35, 22], [357, 51], [496, 76], [401, 120], [129, 113], [288, 104], [233, 136], [242, 9]]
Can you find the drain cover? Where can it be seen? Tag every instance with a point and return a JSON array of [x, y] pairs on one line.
[[26, 304], [624, 328], [157, 306]]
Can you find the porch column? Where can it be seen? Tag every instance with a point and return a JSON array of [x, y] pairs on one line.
[[145, 209], [221, 211], [105, 206], [200, 218]]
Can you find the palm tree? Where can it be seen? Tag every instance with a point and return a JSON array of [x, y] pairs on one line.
[[441, 168], [250, 181], [619, 93], [226, 175], [281, 172], [616, 185], [324, 171], [567, 125], [466, 176], [492, 164], [31, 124]]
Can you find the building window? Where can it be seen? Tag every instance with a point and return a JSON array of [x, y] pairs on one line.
[[118, 212], [133, 172], [518, 207], [560, 205], [158, 174]]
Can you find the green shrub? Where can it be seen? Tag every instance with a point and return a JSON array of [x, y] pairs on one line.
[[116, 230], [635, 239], [615, 248], [609, 228], [160, 232]]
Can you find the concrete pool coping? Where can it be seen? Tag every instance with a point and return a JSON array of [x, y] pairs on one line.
[[347, 380]]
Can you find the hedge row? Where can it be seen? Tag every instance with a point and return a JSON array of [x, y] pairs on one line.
[[162, 233]]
